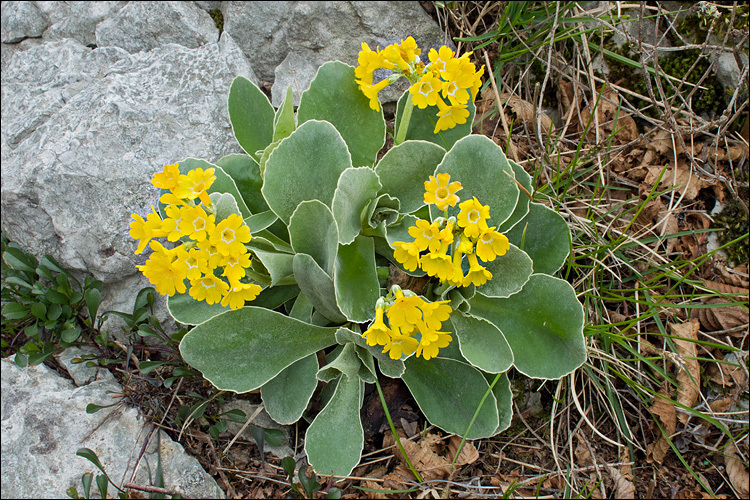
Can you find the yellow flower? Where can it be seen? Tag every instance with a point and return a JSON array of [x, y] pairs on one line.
[[477, 83], [435, 313], [197, 263], [432, 341], [378, 333], [230, 235], [400, 344], [144, 230], [477, 274], [409, 49], [461, 71], [450, 116], [239, 294], [455, 94], [234, 266], [369, 60], [211, 252], [195, 184], [405, 312], [473, 217], [437, 264], [165, 270], [425, 91], [196, 224], [441, 191], [491, 244], [406, 254], [169, 199], [426, 235], [208, 288], [457, 277], [439, 57], [393, 55], [171, 225], [168, 178], [371, 92]]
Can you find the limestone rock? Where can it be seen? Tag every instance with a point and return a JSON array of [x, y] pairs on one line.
[[299, 36], [78, 20], [83, 132], [44, 423], [21, 20], [148, 25]]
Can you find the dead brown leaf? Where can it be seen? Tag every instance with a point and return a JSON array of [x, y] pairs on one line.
[[689, 374], [524, 110], [668, 416], [721, 405], [724, 317], [623, 486], [736, 471], [682, 178], [426, 457], [612, 119]]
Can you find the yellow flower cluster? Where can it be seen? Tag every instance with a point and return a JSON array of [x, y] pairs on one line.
[[445, 77], [211, 246], [408, 315], [438, 247]]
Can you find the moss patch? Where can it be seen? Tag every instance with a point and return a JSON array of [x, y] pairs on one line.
[[218, 18], [734, 222]]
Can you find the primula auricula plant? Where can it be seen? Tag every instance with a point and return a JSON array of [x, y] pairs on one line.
[[297, 248]]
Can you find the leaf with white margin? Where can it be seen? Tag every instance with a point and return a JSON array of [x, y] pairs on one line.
[[522, 207], [481, 343], [449, 392], [545, 236], [313, 230], [504, 398], [335, 439], [245, 173], [305, 166], [286, 396], [251, 115], [356, 281], [405, 168], [356, 188], [510, 272], [334, 96], [543, 323], [241, 350], [317, 285], [484, 172]]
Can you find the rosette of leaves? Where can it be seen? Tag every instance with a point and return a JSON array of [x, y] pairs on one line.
[[323, 211]]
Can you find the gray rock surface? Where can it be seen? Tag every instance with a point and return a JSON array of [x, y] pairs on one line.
[[284, 40], [83, 132], [149, 25], [21, 20], [44, 423], [78, 20]]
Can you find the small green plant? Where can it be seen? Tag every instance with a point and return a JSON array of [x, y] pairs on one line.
[[282, 253], [46, 304], [309, 484]]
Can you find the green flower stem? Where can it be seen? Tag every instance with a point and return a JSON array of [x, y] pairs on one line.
[[442, 287], [393, 430], [476, 414], [405, 119]]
